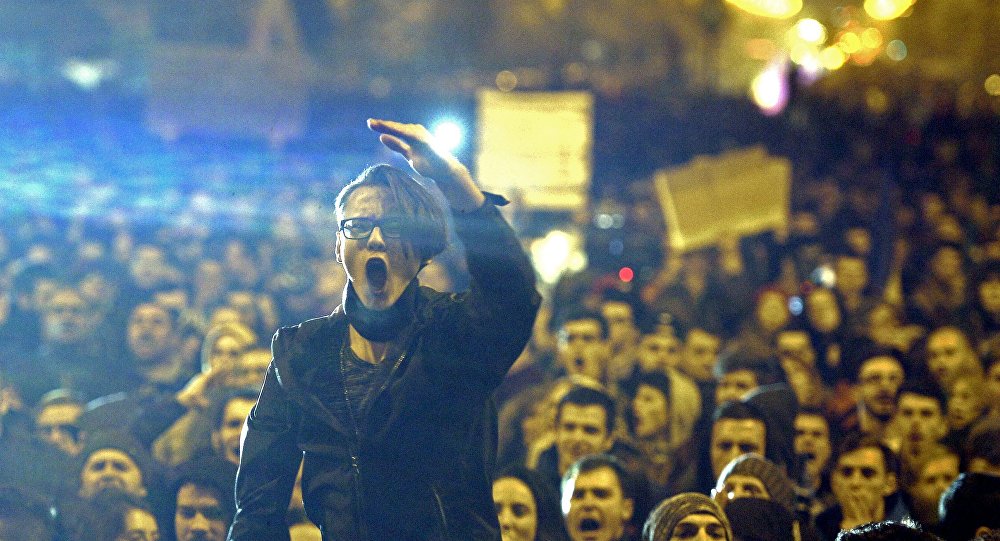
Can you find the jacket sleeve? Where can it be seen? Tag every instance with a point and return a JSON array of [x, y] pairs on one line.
[[269, 462], [496, 317]]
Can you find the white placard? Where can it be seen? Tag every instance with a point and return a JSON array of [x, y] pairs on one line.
[[536, 145], [738, 193]]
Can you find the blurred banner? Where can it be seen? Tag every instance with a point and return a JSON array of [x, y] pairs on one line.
[[536, 147], [737, 193], [257, 88]]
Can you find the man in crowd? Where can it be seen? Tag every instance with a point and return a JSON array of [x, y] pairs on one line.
[[864, 481], [738, 429], [738, 372], [202, 500], [582, 344], [585, 423], [925, 480], [950, 354], [919, 419], [880, 374], [813, 446], [57, 420], [623, 333], [597, 500]]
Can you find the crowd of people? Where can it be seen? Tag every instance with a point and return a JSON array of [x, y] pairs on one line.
[[838, 377]]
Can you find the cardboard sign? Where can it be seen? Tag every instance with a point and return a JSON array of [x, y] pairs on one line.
[[536, 147], [738, 193]]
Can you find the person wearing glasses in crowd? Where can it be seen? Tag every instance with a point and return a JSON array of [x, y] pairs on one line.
[[387, 399]]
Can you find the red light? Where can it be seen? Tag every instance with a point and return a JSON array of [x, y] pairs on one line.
[[626, 274]]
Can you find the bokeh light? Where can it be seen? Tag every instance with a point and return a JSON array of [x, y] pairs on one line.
[[896, 50], [449, 135], [884, 10], [769, 90], [833, 58], [811, 31], [506, 81], [871, 38], [776, 9], [992, 85]]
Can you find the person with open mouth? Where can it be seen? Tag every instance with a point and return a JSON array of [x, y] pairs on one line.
[[387, 399]]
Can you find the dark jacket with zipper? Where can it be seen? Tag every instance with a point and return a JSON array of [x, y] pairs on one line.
[[412, 466]]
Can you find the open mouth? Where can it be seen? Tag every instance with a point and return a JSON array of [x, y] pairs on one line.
[[377, 273], [589, 525]]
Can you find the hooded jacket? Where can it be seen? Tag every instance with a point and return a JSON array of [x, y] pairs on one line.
[[413, 465]]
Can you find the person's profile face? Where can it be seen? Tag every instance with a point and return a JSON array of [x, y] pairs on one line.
[[701, 350], [965, 405], [947, 355], [734, 437], [199, 515], [596, 508], [698, 527], [516, 509], [379, 266], [650, 411]]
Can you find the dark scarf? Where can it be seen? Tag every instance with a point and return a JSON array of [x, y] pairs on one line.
[[380, 325]]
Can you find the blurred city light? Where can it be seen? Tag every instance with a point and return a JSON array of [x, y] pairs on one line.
[[884, 10], [557, 252], [506, 81], [770, 89], [449, 135], [811, 31], [84, 74], [833, 58], [992, 85], [776, 9], [896, 50], [626, 274], [795, 305], [871, 38]]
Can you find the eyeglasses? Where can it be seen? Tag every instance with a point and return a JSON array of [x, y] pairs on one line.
[[361, 228]]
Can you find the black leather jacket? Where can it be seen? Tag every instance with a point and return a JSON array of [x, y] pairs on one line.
[[412, 466]]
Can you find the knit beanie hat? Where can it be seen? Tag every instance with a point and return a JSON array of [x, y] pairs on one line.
[[779, 486], [662, 521], [754, 519]]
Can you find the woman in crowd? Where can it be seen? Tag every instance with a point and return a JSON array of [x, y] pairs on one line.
[[526, 507]]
